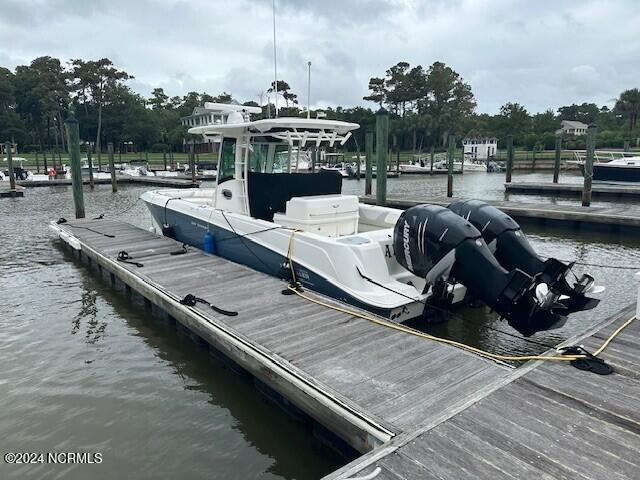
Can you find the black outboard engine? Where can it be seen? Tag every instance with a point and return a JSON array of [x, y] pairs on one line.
[[512, 250], [435, 243]]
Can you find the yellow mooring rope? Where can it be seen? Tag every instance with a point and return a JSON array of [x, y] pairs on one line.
[[402, 328]]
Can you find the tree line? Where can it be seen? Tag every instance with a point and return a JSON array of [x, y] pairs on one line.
[[425, 105]]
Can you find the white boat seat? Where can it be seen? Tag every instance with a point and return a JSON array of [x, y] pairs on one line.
[[329, 215]]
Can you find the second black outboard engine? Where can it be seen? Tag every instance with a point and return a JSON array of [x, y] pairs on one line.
[[435, 243], [512, 250]]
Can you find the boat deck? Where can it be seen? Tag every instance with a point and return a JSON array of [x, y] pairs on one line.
[[573, 189], [420, 409], [623, 218]]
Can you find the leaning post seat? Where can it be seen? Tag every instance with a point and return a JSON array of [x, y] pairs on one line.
[[329, 215], [269, 192]]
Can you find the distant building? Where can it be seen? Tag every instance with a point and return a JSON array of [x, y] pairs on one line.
[[205, 116], [572, 127], [480, 148]]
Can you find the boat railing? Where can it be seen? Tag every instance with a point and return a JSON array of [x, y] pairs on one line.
[[601, 156]]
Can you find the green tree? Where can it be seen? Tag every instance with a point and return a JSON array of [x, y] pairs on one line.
[[42, 95], [102, 80], [159, 99], [378, 91], [514, 120], [448, 100], [585, 113], [545, 122], [628, 104]]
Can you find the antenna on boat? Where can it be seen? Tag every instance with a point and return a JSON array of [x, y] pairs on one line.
[[309, 91], [275, 58]]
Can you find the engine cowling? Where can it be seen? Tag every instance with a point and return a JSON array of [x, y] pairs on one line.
[[435, 243], [512, 250]]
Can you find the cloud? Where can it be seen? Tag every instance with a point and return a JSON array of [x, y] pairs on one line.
[[541, 54]]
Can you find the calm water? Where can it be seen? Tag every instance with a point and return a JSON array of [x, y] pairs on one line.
[[85, 369]]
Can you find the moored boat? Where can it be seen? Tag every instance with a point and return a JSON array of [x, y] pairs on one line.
[[399, 265]]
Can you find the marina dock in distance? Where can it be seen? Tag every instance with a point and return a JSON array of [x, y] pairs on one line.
[[617, 219], [414, 407]]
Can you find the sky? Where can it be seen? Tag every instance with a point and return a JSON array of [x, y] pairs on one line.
[[540, 53]]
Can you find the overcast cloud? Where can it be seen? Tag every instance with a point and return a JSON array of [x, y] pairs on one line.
[[539, 53]]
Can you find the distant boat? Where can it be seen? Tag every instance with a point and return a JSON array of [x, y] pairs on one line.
[[625, 169]]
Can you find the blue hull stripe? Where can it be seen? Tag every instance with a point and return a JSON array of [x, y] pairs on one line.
[[245, 251]]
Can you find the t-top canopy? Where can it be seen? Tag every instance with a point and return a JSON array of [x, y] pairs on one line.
[[289, 129]]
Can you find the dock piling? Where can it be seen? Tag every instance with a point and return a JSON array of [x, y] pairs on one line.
[[90, 163], [192, 163], [627, 145], [431, 159], [164, 160], [12, 174], [112, 169], [509, 157], [556, 163], [73, 142], [452, 149], [382, 152], [588, 166], [368, 171]]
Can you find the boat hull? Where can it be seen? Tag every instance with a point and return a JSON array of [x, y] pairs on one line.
[[617, 173], [245, 251]]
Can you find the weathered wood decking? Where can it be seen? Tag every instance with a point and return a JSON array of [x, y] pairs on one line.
[[552, 422], [364, 382], [619, 218], [573, 189], [122, 179], [420, 409]]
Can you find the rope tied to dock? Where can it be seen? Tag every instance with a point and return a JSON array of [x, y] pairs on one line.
[[124, 257], [563, 357], [191, 300], [62, 221]]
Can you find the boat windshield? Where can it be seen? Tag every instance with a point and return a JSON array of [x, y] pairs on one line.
[[227, 160], [268, 157]]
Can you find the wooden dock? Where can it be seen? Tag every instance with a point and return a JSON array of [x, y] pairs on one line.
[[170, 182], [624, 218], [342, 371], [554, 421], [573, 189], [414, 407], [6, 191]]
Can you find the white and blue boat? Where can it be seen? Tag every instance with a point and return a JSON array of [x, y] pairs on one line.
[[396, 264]]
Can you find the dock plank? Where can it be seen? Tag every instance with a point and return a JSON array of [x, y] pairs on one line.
[[552, 422]]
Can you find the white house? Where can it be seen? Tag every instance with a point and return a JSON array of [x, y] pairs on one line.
[[206, 116], [480, 148], [572, 127]]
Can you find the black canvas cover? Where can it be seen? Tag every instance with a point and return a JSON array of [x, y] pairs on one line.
[[269, 192]]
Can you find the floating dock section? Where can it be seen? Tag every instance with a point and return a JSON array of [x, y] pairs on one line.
[[171, 182], [573, 189], [415, 408], [624, 218], [6, 191]]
